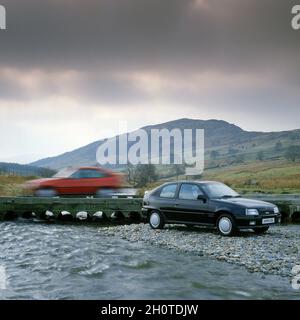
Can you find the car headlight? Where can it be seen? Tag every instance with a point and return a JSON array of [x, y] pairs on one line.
[[252, 212], [276, 210]]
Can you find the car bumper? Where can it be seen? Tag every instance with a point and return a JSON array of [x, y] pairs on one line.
[[144, 212], [247, 222]]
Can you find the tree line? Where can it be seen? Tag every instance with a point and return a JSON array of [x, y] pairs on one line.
[[292, 153], [24, 170]]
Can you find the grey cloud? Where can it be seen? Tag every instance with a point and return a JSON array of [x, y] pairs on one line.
[[171, 36], [149, 34], [83, 86]]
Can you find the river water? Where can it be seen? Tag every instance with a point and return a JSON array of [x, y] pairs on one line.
[[64, 261]]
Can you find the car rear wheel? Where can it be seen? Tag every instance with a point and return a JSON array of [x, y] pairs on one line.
[[261, 230], [48, 193], [156, 220], [226, 225]]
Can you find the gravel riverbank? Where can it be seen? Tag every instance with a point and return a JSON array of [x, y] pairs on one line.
[[275, 252]]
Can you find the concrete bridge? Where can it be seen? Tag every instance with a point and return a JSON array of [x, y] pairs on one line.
[[94, 209], [89, 209]]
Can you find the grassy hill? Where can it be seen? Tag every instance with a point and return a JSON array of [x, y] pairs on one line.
[[12, 185], [247, 161], [225, 144]]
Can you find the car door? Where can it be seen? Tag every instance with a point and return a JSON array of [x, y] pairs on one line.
[[82, 181], [166, 200], [92, 180], [70, 184], [187, 205]]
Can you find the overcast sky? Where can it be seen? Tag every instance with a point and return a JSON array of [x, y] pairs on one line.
[[70, 70]]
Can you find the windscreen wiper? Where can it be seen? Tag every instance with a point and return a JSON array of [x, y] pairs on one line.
[[226, 196]]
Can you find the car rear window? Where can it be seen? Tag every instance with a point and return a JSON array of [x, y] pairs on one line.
[[168, 191]]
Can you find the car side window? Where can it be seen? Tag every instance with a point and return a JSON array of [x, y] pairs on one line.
[[76, 175], [189, 191], [168, 191], [92, 174], [87, 174]]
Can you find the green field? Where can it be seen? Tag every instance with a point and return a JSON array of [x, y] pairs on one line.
[[263, 176], [278, 176], [12, 185]]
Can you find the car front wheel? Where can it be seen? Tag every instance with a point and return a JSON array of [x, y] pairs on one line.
[[226, 225], [47, 193], [156, 220]]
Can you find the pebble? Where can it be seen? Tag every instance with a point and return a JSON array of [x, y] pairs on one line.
[[275, 252]]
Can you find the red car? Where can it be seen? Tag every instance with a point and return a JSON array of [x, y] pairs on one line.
[[81, 181]]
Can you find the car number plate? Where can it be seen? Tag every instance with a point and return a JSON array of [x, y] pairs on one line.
[[268, 220]]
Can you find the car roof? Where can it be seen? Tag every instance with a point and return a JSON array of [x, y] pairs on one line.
[[89, 168], [95, 168], [207, 181], [193, 181]]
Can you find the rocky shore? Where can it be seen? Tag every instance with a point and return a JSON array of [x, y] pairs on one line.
[[275, 252]]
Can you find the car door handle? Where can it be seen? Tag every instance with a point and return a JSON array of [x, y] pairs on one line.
[[176, 204]]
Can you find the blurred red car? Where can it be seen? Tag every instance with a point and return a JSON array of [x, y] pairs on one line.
[[81, 181]]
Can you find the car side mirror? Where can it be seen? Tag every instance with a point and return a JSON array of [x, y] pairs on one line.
[[202, 197]]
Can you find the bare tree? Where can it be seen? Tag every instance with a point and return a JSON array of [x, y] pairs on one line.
[[293, 153], [141, 174]]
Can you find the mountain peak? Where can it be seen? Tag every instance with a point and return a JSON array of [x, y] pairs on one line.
[[186, 123]]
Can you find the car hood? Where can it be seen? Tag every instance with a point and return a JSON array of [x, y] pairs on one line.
[[247, 203], [37, 182]]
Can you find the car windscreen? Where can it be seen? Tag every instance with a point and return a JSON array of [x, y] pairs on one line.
[[64, 173], [219, 190]]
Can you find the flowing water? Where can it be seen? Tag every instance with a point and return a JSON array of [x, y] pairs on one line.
[[64, 261]]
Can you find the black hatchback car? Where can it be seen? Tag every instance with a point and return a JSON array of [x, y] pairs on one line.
[[207, 203]]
